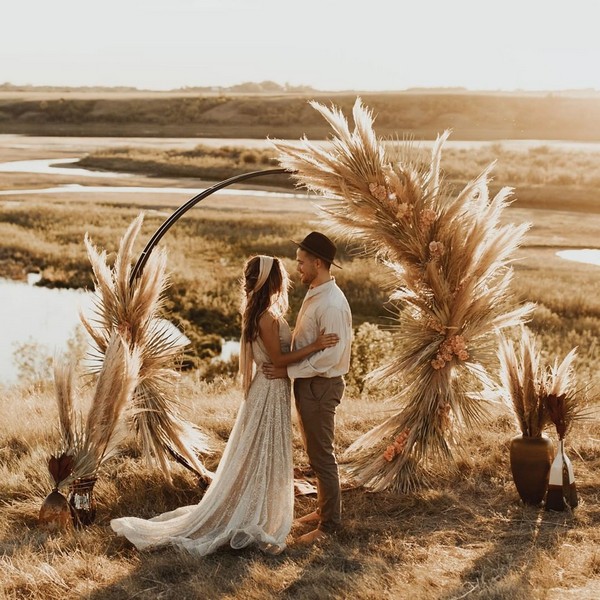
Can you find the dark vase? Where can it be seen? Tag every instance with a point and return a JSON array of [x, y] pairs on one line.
[[82, 502], [55, 514], [562, 490], [530, 460]]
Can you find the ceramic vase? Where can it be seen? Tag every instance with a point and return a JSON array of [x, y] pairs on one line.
[[55, 514], [562, 490], [530, 461]]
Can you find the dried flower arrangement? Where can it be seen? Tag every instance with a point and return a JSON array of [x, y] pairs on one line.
[[540, 394], [132, 308], [134, 364], [449, 259]]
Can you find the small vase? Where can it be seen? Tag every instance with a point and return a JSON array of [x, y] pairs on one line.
[[530, 460], [55, 514], [82, 501], [561, 488]]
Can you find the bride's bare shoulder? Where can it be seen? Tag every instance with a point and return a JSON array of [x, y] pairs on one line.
[[268, 321]]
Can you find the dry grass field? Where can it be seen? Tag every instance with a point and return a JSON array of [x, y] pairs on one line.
[[465, 535]]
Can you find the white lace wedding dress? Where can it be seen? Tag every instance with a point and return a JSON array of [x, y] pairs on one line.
[[251, 498]]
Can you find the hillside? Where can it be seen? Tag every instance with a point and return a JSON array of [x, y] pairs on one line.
[[472, 116]]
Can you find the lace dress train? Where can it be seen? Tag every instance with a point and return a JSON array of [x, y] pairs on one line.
[[251, 498]]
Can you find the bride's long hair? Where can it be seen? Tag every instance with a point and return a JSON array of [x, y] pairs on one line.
[[271, 296]]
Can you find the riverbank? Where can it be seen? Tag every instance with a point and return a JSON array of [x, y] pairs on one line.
[[43, 231]]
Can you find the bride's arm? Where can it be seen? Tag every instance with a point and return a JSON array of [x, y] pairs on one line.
[[268, 329]]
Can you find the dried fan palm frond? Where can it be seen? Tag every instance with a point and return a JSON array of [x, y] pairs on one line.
[[132, 308], [449, 260]]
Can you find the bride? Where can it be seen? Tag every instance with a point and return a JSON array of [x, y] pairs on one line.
[[251, 498]]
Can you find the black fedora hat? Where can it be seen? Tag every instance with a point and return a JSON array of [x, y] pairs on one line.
[[320, 245]]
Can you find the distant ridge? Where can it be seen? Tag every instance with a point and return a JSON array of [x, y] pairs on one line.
[[250, 112], [272, 87]]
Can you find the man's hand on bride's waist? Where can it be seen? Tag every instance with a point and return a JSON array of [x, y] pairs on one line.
[[273, 372]]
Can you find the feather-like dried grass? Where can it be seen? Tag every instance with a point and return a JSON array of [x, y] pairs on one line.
[[449, 263], [539, 394]]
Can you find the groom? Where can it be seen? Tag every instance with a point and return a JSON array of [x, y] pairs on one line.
[[318, 379]]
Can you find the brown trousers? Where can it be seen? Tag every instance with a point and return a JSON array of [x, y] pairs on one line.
[[316, 401]]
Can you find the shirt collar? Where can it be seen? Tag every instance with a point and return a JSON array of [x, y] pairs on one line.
[[320, 288]]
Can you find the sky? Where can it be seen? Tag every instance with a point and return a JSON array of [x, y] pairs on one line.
[[329, 45]]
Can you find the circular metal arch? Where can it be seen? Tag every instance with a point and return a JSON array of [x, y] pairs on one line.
[[160, 232]]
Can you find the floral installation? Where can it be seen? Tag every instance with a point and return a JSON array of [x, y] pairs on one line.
[[133, 362], [449, 259]]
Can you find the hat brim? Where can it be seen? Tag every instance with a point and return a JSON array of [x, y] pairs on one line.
[[315, 253]]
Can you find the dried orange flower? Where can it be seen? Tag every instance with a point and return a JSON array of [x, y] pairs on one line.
[[436, 249], [378, 191], [428, 216]]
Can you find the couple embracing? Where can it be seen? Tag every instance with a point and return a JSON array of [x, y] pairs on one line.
[[251, 498]]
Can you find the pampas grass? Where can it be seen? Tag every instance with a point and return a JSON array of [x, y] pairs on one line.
[[132, 309], [87, 445], [538, 393], [523, 383], [448, 258]]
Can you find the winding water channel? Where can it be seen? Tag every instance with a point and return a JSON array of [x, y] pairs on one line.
[[48, 317]]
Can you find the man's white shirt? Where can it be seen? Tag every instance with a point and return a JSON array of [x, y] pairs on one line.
[[324, 308]]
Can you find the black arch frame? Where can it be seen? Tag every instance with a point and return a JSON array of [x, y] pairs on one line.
[[160, 232]]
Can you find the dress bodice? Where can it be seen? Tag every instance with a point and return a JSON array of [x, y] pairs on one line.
[[285, 339]]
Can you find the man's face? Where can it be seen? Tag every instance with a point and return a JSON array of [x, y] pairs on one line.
[[306, 266]]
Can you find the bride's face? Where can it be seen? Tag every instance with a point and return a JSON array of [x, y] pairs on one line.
[[306, 266]]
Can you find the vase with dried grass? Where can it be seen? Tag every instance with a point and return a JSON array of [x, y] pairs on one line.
[[82, 501], [448, 257], [55, 514], [540, 395], [564, 406], [87, 443], [531, 452]]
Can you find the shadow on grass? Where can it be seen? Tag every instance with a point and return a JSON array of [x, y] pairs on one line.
[[390, 544], [509, 564]]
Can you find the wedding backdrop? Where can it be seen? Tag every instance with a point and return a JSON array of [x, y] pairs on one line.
[[448, 256]]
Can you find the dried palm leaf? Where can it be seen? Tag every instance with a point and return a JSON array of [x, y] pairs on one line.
[[449, 259]]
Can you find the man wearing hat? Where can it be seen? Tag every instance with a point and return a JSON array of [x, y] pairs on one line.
[[318, 379]]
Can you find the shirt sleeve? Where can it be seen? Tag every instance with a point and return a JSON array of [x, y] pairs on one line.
[[333, 320]]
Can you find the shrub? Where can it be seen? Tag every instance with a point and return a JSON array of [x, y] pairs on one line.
[[371, 348]]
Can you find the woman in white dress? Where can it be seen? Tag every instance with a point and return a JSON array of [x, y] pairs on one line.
[[251, 498]]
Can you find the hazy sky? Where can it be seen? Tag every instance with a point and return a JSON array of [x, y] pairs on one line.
[[330, 45]]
